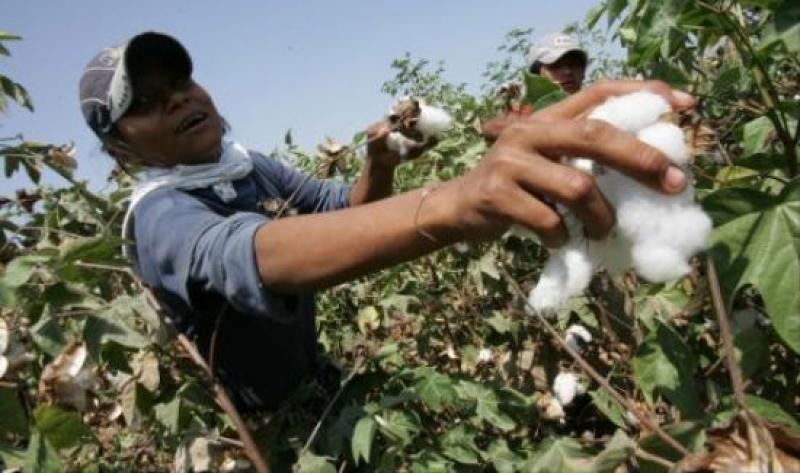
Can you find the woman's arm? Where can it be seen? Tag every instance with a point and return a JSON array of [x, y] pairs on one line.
[[509, 186]]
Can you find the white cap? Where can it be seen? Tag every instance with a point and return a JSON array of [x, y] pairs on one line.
[[552, 47]]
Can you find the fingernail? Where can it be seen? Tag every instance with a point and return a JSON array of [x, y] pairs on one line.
[[682, 97], [675, 178]]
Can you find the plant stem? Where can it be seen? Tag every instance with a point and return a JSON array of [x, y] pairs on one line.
[[725, 332]]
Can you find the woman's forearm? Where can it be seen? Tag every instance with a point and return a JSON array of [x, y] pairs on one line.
[[310, 252]]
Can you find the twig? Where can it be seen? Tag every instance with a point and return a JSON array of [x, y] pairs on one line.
[[762, 435], [313, 436], [589, 370], [105, 267], [654, 458], [725, 332]]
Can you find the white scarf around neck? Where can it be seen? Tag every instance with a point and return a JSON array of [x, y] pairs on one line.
[[234, 163]]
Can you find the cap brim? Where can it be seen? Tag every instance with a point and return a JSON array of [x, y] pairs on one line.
[[153, 51], [555, 55]]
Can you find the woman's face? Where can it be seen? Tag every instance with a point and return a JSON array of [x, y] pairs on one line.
[[171, 121]]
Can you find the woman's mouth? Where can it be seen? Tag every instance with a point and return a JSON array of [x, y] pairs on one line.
[[191, 121]]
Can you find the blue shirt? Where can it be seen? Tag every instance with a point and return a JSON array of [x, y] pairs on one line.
[[196, 253]]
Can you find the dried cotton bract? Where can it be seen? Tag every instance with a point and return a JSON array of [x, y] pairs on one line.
[[656, 234]]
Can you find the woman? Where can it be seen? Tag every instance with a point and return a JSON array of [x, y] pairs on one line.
[[210, 254]]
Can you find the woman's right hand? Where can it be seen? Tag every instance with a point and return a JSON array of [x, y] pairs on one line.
[[522, 174]]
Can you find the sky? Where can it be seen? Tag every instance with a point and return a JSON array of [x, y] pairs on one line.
[[314, 66]]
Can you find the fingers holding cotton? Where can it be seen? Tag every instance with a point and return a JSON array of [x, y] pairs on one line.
[[655, 233]]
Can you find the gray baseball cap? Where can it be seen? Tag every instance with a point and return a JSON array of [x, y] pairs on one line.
[[106, 86], [552, 47]]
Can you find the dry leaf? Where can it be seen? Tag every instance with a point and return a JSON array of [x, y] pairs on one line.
[[747, 445], [67, 380]]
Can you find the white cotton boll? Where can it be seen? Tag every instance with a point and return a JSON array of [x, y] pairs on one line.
[[399, 143], [549, 293], [567, 273], [566, 387], [485, 355], [575, 335], [613, 253], [3, 366], [584, 164], [667, 138], [632, 112], [433, 121], [4, 336], [579, 270], [659, 264]]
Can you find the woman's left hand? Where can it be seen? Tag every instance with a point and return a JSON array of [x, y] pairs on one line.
[[378, 148]]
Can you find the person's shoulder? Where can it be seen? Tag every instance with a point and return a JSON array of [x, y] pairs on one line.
[[164, 201]]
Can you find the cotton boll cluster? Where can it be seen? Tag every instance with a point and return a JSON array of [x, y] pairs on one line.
[[656, 234], [416, 122]]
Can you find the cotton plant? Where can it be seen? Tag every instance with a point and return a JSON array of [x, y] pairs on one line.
[[655, 234]]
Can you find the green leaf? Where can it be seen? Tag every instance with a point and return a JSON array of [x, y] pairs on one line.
[[757, 242], [458, 444], [659, 302], [12, 414], [363, 435], [62, 429], [772, 412], [12, 457], [397, 426], [435, 390], [171, 414], [616, 451], [21, 268], [310, 463], [46, 334], [536, 87], [549, 99], [501, 457], [758, 134], [41, 457], [689, 434], [751, 349], [115, 324], [559, 454], [664, 362], [609, 407], [16, 92], [487, 405]]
